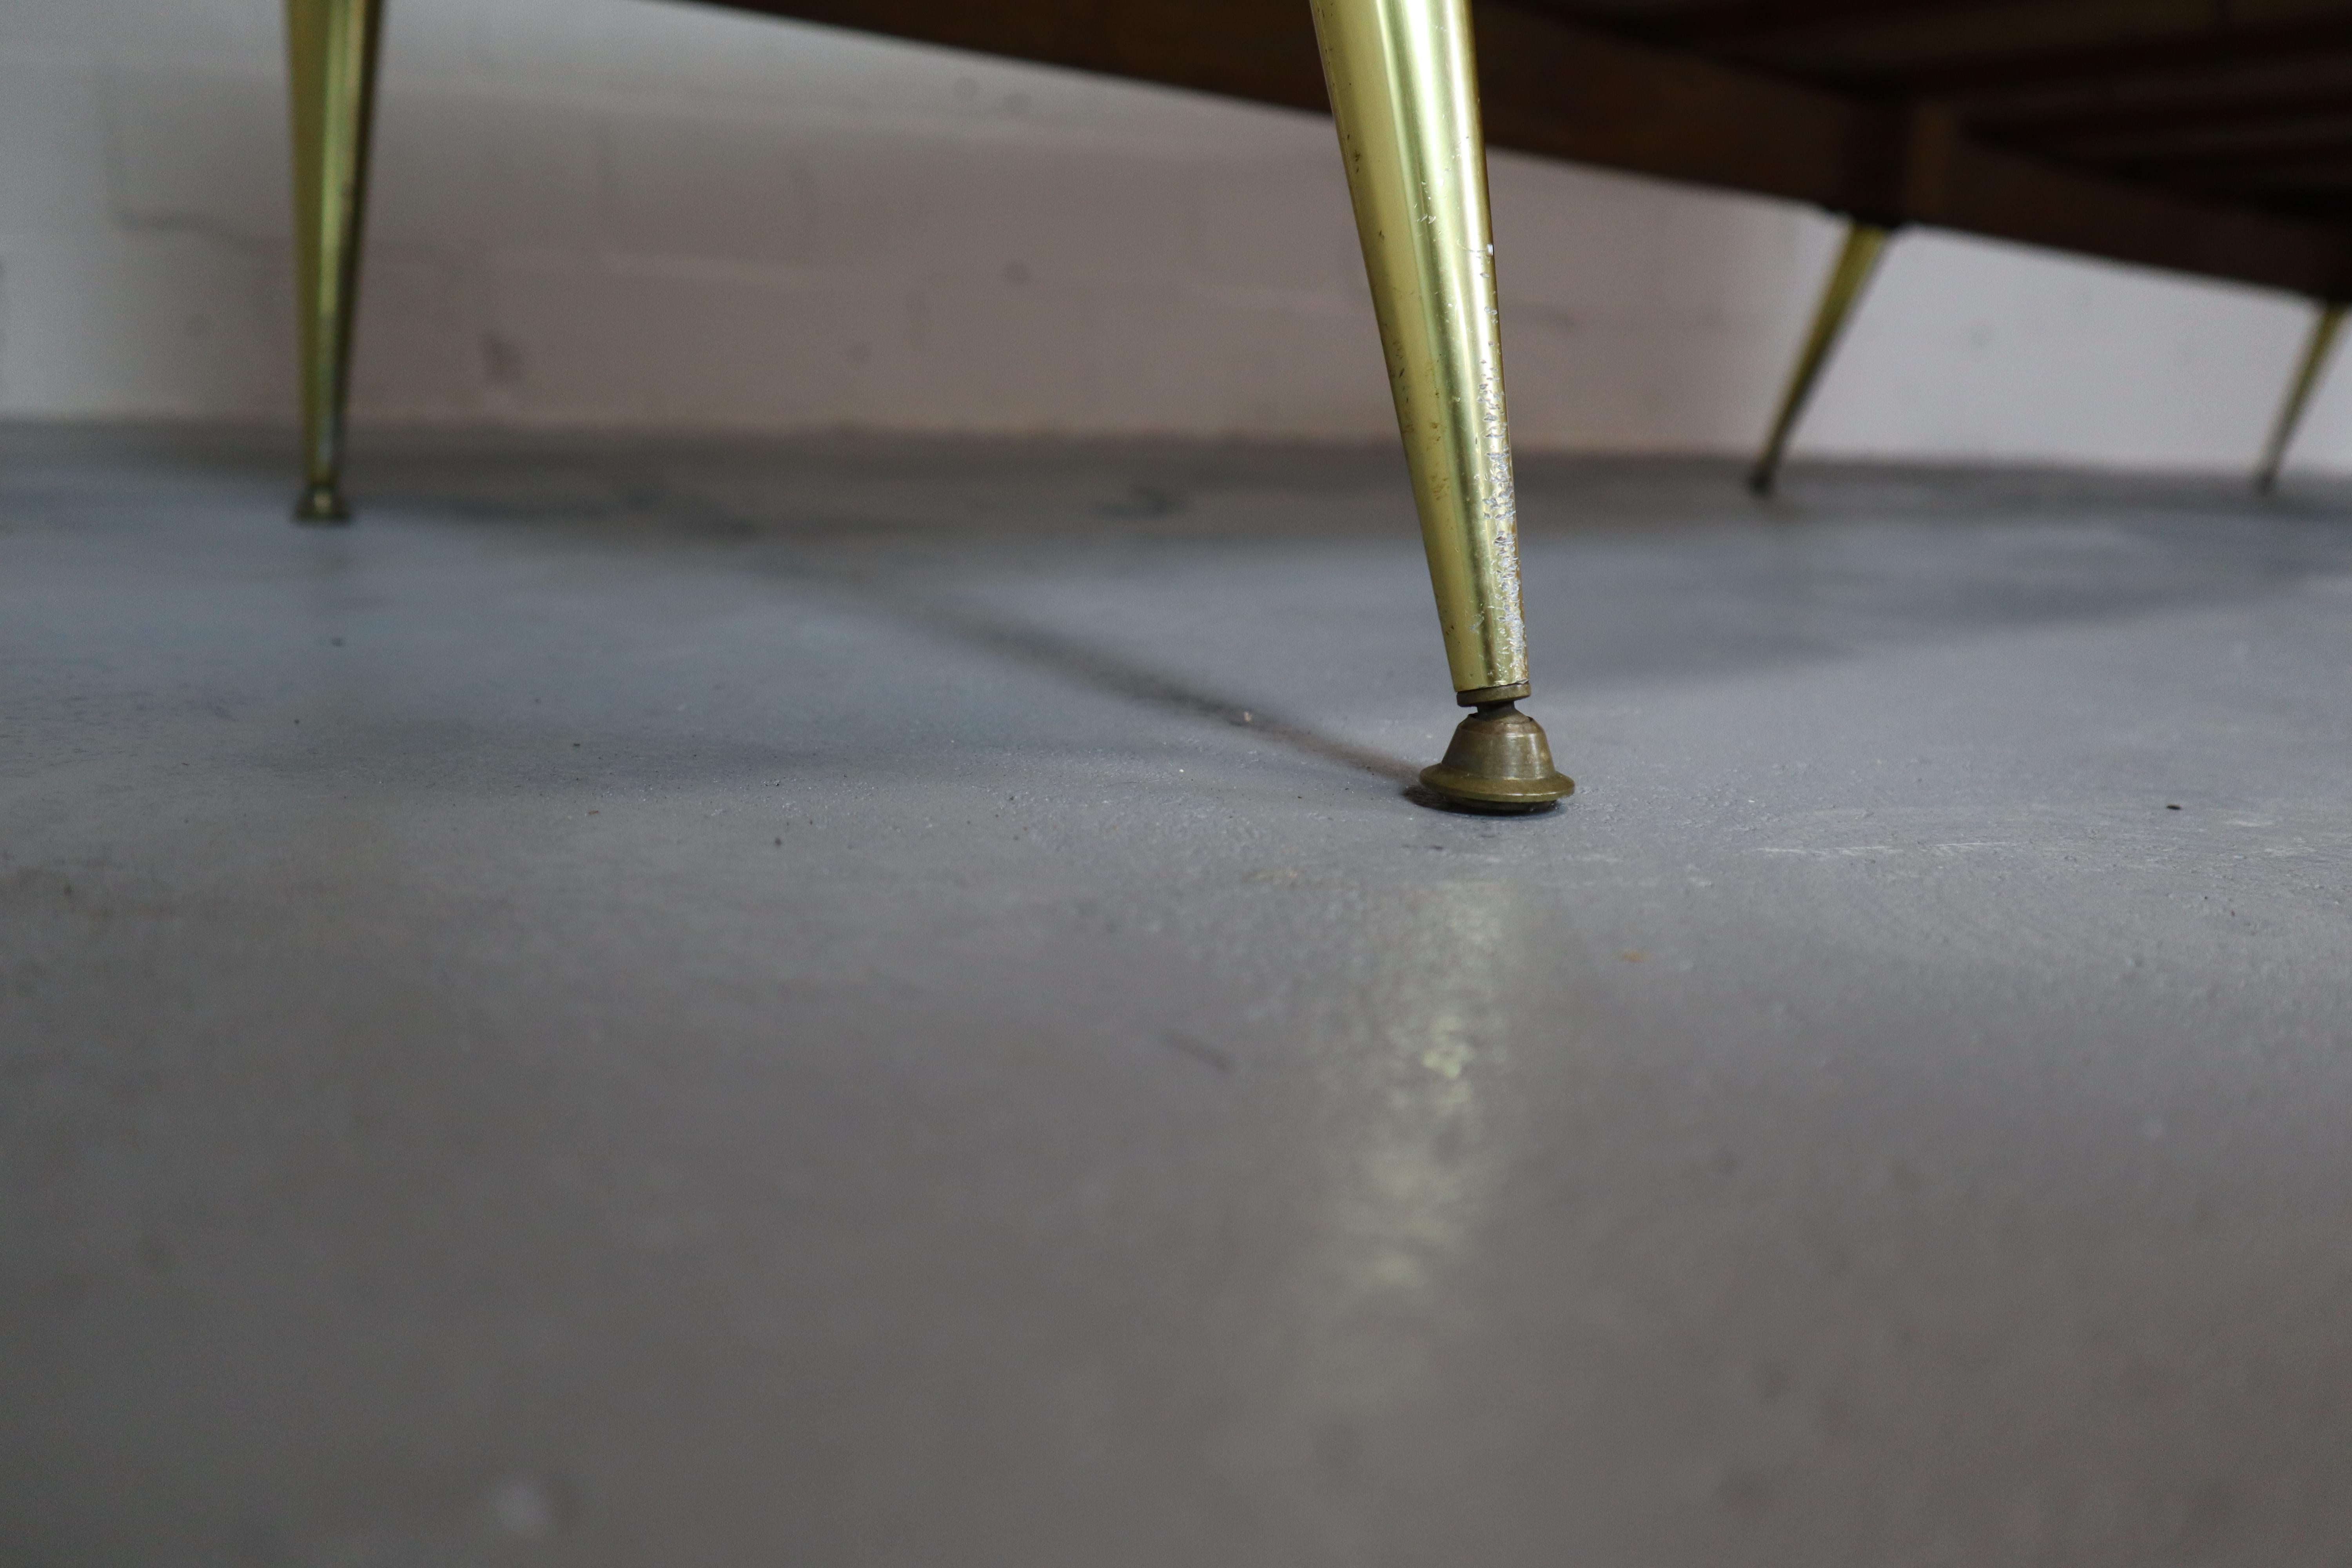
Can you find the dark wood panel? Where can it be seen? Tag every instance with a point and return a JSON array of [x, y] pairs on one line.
[[1590, 98], [2195, 147], [1863, 43], [1702, 20], [2005, 194], [1589, 95], [2201, 105], [2296, 42], [1263, 50]]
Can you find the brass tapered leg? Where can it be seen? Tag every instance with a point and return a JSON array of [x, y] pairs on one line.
[[1405, 95], [1857, 259], [2316, 350], [330, 51]]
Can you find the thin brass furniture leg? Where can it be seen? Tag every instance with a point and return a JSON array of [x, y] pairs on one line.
[[1857, 259], [330, 51], [1405, 95], [2324, 332]]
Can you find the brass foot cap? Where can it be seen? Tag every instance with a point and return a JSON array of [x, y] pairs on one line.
[[1499, 761], [321, 504]]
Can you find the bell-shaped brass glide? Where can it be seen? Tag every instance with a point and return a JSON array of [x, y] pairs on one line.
[[1499, 761], [1404, 92]]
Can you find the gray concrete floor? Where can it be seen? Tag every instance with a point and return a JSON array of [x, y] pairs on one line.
[[846, 1004]]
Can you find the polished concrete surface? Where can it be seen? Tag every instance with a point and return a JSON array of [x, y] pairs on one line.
[[853, 1004]]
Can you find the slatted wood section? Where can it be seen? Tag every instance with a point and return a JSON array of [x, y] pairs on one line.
[[2205, 136]]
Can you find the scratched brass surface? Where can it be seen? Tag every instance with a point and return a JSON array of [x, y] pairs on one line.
[[330, 49], [1404, 93]]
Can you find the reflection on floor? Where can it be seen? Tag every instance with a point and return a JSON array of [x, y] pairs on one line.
[[847, 1003]]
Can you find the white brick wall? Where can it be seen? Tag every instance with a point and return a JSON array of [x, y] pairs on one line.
[[638, 213]]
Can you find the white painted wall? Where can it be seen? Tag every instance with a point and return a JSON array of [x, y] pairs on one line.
[[636, 213]]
